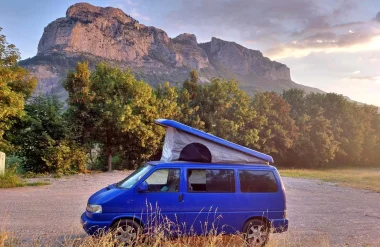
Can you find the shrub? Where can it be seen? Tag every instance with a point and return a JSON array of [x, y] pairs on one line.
[[10, 179], [65, 158]]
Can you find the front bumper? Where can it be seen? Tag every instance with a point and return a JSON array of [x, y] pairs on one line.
[[93, 227], [280, 225]]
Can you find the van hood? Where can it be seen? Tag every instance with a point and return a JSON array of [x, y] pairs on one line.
[[104, 195], [111, 198]]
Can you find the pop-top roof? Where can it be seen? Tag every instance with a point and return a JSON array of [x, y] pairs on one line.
[[213, 139]]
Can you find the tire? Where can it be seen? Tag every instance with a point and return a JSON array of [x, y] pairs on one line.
[[126, 231], [256, 233]]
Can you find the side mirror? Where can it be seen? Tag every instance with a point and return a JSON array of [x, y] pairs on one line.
[[143, 187]]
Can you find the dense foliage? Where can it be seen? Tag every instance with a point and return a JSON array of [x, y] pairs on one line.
[[16, 85], [110, 115], [299, 130], [43, 138], [111, 108]]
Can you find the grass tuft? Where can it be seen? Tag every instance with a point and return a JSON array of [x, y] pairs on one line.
[[10, 179]]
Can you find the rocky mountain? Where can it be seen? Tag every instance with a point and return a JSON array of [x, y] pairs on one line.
[[108, 34]]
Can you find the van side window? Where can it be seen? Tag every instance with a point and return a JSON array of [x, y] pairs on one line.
[[164, 180], [257, 181], [210, 180]]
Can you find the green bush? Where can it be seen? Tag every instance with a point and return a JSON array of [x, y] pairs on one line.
[[65, 158]]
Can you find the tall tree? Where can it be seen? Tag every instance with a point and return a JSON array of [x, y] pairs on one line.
[[78, 85], [218, 107], [16, 85], [316, 144], [225, 110], [278, 130], [42, 136], [115, 110], [188, 102], [370, 151], [143, 137]]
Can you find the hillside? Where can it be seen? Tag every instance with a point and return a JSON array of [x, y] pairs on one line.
[[108, 34]]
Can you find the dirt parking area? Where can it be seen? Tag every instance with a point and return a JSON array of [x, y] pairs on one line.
[[341, 216]]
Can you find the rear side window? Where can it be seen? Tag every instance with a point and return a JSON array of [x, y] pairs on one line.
[[257, 181], [211, 180]]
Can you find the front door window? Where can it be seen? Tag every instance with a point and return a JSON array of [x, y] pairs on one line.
[[164, 180]]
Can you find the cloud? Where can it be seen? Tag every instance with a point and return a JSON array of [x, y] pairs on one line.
[[280, 28], [365, 37], [291, 50], [265, 21], [375, 78]]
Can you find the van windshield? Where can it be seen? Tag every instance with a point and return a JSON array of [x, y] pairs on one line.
[[134, 177]]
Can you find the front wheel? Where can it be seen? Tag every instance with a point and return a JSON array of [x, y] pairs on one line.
[[126, 232], [256, 233]]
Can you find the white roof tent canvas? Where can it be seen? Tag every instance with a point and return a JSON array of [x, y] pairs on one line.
[[183, 143]]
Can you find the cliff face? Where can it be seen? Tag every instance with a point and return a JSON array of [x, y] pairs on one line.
[[243, 61], [110, 34], [98, 34]]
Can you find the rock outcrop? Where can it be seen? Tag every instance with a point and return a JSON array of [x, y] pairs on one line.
[[243, 61], [97, 34]]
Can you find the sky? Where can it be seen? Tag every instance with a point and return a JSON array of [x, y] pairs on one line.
[[333, 45]]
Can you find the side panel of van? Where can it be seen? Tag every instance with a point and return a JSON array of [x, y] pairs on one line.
[[209, 200], [163, 198], [209, 212], [262, 194]]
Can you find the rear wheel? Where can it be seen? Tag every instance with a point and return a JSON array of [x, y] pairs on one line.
[[256, 233], [126, 231]]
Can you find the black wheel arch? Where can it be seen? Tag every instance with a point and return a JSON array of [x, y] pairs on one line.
[[262, 218], [115, 221]]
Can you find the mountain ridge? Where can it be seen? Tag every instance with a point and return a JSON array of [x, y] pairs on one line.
[[108, 34]]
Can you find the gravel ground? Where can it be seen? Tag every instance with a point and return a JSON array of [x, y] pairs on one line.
[[345, 216], [341, 216]]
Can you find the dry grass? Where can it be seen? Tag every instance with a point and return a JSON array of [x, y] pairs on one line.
[[157, 240], [161, 232], [10, 179], [351, 177]]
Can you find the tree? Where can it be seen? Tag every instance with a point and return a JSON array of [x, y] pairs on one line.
[[115, 110], [370, 118], [42, 138], [218, 107], [225, 110], [316, 144], [277, 130], [188, 101], [143, 137], [78, 85], [16, 85]]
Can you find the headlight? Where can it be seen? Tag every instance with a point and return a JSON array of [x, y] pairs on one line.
[[94, 208]]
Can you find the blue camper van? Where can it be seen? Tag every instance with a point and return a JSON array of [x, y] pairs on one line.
[[202, 183]]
